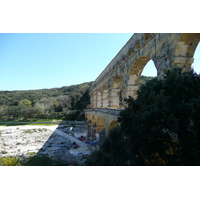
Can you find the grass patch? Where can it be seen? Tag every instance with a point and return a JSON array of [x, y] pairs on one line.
[[10, 161], [30, 120], [33, 160], [19, 124], [11, 124]]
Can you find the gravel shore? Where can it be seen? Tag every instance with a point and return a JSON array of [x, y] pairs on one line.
[[30, 140]]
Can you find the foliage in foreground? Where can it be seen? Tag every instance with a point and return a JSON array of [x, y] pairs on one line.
[[10, 161], [160, 127], [37, 160]]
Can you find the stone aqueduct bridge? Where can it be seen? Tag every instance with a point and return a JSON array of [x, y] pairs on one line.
[[121, 77]]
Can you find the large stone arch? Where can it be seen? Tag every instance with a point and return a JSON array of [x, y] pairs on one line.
[[134, 76], [185, 48], [113, 124], [101, 131], [100, 125], [93, 127], [87, 116], [115, 92], [93, 120]]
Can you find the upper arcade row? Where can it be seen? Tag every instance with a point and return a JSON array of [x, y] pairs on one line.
[[120, 78]]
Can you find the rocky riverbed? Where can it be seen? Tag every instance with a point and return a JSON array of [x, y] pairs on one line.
[[26, 141]]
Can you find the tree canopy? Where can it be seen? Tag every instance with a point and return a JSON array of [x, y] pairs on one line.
[[160, 127], [44, 103]]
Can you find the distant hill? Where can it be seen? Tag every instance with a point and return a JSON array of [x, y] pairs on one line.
[[12, 98]]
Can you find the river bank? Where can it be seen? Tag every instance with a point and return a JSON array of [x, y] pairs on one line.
[[25, 141]]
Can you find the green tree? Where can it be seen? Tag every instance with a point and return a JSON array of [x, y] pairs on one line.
[[24, 112], [160, 127], [55, 103], [25, 102]]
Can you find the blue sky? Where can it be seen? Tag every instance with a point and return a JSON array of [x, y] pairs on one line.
[[39, 60], [36, 61]]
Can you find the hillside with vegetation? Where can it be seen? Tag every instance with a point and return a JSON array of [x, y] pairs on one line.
[[57, 103]]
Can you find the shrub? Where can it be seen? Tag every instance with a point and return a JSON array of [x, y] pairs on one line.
[[39, 160]]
